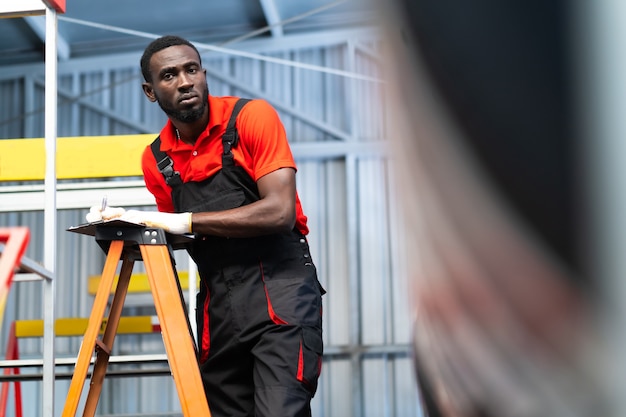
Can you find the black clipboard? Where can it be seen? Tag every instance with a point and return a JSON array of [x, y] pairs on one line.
[[177, 241]]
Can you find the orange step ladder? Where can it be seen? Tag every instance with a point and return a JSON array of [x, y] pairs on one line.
[[128, 243]]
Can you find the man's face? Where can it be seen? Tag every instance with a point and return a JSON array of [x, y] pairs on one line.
[[178, 83]]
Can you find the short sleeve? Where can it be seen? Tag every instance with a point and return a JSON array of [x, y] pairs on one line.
[[263, 139]]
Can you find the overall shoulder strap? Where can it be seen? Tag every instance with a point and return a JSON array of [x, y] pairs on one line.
[[231, 136], [165, 164]]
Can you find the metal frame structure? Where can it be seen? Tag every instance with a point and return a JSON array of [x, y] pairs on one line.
[[50, 7]]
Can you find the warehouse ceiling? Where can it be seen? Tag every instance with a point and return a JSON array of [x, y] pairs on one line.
[[92, 28]]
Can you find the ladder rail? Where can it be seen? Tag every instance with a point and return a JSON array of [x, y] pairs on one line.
[[86, 350], [104, 352], [178, 340]]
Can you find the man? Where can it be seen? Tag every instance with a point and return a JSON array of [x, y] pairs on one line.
[[259, 306]]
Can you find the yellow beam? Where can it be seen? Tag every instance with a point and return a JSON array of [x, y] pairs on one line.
[[77, 326], [138, 282], [77, 157]]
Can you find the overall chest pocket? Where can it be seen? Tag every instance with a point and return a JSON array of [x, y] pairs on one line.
[[229, 188], [213, 194], [225, 200]]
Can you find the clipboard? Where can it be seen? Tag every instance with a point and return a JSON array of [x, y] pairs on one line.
[[90, 229]]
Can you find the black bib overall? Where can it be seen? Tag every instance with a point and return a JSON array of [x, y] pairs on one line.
[[259, 305]]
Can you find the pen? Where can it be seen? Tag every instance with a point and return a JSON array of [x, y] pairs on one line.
[[104, 203]]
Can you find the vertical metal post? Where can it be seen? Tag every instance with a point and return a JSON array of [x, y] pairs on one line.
[[602, 98], [50, 223], [354, 265], [599, 36]]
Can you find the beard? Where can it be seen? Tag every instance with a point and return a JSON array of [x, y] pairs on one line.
[[185, 115]]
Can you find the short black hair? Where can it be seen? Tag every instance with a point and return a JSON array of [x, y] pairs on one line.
[[158, 45]]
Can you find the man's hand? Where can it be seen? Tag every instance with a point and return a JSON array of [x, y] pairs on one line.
[[96, 213], [176, 223]]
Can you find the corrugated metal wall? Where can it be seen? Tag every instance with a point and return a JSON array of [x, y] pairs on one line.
[[347, 196]]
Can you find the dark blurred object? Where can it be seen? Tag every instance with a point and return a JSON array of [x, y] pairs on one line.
[[485, 151], [502, 70]]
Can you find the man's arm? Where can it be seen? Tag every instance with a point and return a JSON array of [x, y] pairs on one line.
[[275, 211]]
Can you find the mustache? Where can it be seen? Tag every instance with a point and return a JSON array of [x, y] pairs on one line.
[[186, 96]]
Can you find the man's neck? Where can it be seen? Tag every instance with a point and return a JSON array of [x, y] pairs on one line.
[[189, 132]]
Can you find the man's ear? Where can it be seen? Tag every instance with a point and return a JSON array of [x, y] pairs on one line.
[[148, 91]]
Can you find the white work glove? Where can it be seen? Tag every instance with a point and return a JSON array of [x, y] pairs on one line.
[[176, 223], [96, 213]]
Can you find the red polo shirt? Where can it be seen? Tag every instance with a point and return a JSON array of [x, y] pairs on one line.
[[262, 148]]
